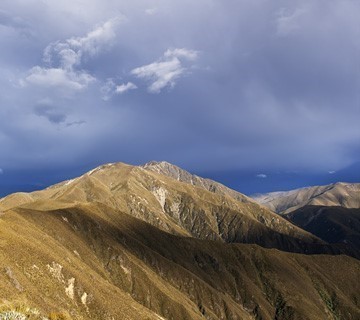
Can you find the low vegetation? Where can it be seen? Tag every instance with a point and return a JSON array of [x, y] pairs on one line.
[[113, 245], [22, 311]]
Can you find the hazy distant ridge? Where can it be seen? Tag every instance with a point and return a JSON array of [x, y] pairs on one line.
[[342, 194]]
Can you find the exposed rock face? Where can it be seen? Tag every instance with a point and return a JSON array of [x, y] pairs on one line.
[[125, 242], [346, 195], [179, 174]]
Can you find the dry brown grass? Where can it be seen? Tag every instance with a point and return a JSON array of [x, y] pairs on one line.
[[83, 252], [19, 310], [59, 316]]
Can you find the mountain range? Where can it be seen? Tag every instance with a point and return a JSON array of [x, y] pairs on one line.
[[156, 242], [342, 194], [331, 212]]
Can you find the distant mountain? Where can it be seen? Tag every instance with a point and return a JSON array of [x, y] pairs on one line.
[[330, 212], [155, 242], [346, 195]]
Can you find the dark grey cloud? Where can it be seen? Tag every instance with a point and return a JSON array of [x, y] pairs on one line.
[[14, 22], [212, 85], [51, 113], [75, 123], [8, 20]]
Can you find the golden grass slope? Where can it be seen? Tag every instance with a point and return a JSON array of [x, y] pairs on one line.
[[174, 206], [91, 261], [125, 242], [38, 269]]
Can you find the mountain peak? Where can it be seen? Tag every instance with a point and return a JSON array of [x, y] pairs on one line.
[[169, 169], [177, 173], [119, 225], [161, 164]]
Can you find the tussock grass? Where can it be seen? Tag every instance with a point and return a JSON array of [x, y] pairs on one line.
[[20, 310]]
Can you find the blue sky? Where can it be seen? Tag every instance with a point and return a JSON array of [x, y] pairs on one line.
[[261, 95]]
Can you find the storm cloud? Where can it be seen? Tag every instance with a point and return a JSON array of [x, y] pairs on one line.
[[251, 86]]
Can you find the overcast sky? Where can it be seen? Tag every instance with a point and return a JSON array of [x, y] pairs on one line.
[[255, 93]]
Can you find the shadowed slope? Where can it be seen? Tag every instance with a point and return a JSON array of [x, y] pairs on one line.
[[57, 255], [335, 225]]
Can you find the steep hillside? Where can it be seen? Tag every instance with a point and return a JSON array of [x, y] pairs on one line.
[[91, 261], [178, 207], [332, 224], [346, 195]]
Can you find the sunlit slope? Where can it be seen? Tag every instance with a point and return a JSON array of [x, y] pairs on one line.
[[346, 195], [175, 172], [178, 207]]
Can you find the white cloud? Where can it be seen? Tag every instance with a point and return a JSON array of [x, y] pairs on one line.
[[60, 53], [62, 58], [161, 74], [332, 172], [191, 55], [60, 78], [125, 87], [261, 176], [151, 11], [108, 89], [91, 44], [166, 70], [288, 23]]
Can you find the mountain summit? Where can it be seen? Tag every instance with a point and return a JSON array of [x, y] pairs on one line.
[[156, 242], [173, 171], [175, 201]]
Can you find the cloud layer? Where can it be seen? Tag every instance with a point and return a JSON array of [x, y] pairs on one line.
[[210, 85]]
